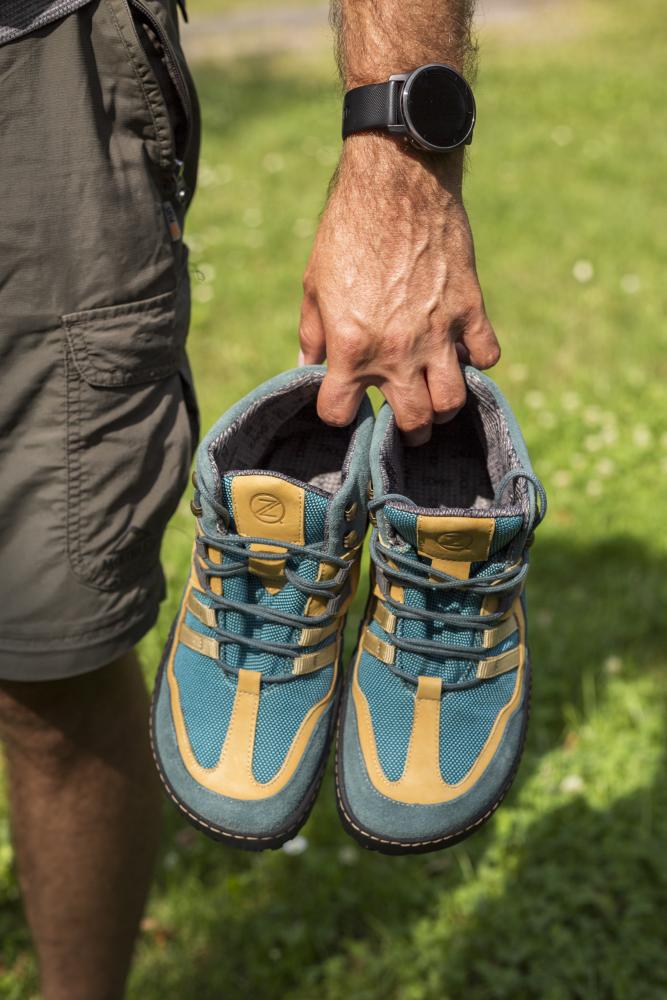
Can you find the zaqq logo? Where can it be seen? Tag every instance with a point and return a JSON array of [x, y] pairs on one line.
[[453, 541], [267, 508]]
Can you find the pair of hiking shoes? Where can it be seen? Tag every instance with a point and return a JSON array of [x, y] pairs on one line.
[[430, 719]]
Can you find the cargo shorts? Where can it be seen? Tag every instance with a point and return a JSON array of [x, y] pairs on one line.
[[98, 421]]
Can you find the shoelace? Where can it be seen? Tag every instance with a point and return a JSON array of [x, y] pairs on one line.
[[238, 550], [408, 569]]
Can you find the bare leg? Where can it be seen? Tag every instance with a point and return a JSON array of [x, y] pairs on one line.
[[85, 808]]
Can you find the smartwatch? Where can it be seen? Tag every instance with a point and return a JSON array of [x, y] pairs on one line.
[[433, 107]]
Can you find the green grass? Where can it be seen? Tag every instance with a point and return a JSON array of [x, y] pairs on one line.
[[563, 895], [211, 7]]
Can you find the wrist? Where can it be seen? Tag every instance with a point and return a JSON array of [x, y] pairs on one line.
[[389, 162]]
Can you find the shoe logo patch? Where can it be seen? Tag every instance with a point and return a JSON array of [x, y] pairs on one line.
[[267, 508], [455, 541]]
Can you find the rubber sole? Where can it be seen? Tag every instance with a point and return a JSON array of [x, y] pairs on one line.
[[246, 842], [372, 841]]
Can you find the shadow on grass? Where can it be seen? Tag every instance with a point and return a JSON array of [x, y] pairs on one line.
[[275, 925]]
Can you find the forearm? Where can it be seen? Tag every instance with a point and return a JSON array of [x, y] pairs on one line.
[[375, 38], [391, 294]]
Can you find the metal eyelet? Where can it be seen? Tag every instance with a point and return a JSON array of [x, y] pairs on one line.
[[350, 539], [369, 490], [196, 509], [225, 518], [351, 511], [372, 518], [194, 478]]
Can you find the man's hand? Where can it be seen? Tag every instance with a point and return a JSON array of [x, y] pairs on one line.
[[391, 295]]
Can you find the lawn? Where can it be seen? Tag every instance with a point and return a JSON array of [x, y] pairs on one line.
[[563, 894]]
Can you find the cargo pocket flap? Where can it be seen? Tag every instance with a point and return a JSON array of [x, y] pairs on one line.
[[132, 343]]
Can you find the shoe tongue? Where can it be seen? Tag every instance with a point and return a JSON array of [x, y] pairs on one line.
[[453, 542], [273, 507]]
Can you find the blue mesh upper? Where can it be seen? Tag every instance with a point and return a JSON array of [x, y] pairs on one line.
[[207, 696], [466, 719], [467, 715], [391, 703], [207, 690], [282, 709]]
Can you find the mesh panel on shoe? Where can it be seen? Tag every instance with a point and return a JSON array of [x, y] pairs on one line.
[[391, 704], [465, 723], [207, 696], [282, 709]]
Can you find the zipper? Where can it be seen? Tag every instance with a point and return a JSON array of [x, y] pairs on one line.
[[179, 186]]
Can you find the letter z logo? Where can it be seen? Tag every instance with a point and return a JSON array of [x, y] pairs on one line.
[[267, 508]]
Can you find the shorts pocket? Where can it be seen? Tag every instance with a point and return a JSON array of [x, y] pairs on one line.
[[130, 434]]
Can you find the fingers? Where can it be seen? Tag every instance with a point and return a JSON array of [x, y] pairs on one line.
[[412, 408], [446, 385], [311, 333], [338, 399], [478, 343]]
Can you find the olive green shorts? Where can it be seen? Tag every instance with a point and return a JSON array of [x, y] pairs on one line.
[[98, 421]]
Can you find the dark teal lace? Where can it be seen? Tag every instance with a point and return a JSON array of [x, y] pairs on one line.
[[408, 569], [236, 553]]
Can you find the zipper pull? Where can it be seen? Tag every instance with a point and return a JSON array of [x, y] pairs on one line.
[[180, 187]]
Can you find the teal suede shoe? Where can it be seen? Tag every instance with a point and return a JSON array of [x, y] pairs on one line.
[[247, 692], [436, 702]]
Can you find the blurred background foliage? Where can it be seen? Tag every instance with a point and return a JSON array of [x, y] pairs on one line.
[[563, 894]]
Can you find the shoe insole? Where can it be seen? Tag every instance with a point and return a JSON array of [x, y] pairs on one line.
[[451, 469], [306, 449]]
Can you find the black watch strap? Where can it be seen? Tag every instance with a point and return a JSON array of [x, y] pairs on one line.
[[372, 106]]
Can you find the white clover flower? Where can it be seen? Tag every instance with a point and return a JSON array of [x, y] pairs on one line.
[[593, 442], [642, 436], [202, 293], [518, 373], [273, 163], [594, 488], [562, 478], [631, 283], [593, 415], [605, 467], [583, 271], [534, 399], [296, 846], [546, 419], [348, 855], [613, 665], [562, 135], [572, 783], [252, 217]]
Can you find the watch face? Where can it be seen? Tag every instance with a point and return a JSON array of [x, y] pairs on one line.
[[438, 107]]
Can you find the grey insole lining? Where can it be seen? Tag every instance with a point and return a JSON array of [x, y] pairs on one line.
[[283, 434], [309, 452], [451, 470]]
